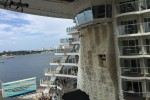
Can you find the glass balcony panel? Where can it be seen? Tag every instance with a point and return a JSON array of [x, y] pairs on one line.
[[128, 29], [146, 27], [125, 7], [132, 71], [131, 50], [69, 40], [88, 15], [131, 95], [56, 60], [147, 49]]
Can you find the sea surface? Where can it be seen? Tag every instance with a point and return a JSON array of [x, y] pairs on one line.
[[24, 66]]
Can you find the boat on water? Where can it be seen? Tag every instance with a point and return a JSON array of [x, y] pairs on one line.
[[2, 61]]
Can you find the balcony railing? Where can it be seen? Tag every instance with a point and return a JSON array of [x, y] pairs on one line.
[[132, 6], [132, 71], [128, 29], [60, 60], [66, 71], [46, 81], [131, 50], [133, 95], [68, 50], [146, 27], [71, 29], [133, 28], [69, 40]]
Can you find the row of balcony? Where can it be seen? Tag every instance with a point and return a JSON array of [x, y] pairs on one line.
[[60, 60], [136, 89], [69, 40], [65, 71], [134, 28], [132, 6], [67, 50], [71, 29], [135, 50], [135, 71]]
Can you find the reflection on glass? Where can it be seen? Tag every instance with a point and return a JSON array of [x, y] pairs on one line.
[[81, 18], [98, 11], [88, 15]]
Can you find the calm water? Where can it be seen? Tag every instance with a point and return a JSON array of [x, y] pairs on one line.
[[24, 66]]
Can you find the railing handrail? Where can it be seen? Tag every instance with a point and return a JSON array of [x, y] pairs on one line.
[[130, 2]]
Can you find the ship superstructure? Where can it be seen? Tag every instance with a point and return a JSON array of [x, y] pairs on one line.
[[132, 25], [64, 66]]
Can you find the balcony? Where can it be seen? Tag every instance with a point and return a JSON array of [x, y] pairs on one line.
[[64, 61], [64, 72], [146, 27], [71, 30], [69, 40], [67, 51], [128, 29], [132, 71], [132, 95], [127, 7], [131, 50]]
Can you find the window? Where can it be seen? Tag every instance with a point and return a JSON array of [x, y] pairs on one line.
[[88, 15], [128, 6], [147, 46], [99, 11], [81, 18], [148, 65], [102, 60], [108, 10]]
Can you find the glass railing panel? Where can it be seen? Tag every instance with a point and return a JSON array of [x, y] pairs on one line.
[[71, 29], [68, 50], [134, 95], [127, 7], [131, 50], [146, 27], [132, 71], [56, 60], [69, 40], [128, 29], [147, 49]]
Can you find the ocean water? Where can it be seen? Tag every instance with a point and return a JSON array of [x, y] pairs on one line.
[[24, 66]]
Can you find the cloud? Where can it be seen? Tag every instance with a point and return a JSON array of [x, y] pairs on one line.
[[16, 26]]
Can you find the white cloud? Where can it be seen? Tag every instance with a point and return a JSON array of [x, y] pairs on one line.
[[30, 26]]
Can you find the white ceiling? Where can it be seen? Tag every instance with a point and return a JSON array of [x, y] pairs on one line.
[[53, 8]]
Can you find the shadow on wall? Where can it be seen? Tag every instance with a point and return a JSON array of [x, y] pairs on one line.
[[76, 95]]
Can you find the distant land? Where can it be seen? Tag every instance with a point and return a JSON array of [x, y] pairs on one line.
[[22, 52]]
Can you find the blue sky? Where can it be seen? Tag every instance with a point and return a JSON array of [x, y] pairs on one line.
[[19, 31]]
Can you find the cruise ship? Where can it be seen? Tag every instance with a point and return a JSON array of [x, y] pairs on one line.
[[63, 69], [114, 62]]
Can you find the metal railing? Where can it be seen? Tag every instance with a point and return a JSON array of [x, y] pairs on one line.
[[69, 40], [60, 60], [131, 70], [67, 50], [146, 27], [66, 71], [128, 29], [131, 50], [71, 29], [133, 28], [132, 6], [131, 94], [46, 81]]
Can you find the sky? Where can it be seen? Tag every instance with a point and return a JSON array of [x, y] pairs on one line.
[[19, 31]]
